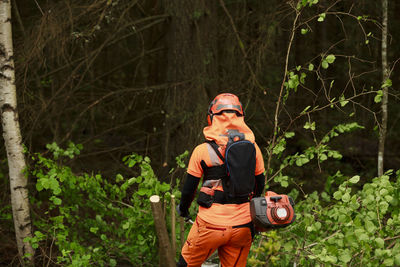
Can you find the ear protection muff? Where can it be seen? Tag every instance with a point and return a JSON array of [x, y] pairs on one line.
[[210, 115], [209, 119]]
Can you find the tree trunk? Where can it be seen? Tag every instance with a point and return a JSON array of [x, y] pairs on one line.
[[173, 225], [12, 135], [191, 54], [385, 76]]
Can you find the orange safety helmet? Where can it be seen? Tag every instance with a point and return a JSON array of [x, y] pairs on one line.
[[224, 103]]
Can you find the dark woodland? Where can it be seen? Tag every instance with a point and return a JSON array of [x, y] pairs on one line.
[[123, 76]]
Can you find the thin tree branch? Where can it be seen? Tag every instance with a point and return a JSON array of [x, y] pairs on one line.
[[278, 103]]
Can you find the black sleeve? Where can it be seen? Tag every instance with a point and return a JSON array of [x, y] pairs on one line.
[[188, 193], [260, 183]]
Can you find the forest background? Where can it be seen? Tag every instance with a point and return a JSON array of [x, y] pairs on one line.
[[113, 95]]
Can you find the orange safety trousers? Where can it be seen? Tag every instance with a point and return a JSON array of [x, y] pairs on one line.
[[233, 244]]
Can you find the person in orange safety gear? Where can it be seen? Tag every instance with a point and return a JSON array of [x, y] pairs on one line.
[[225, 225]]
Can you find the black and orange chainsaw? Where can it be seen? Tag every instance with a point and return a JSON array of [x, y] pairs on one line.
[[272, 211]]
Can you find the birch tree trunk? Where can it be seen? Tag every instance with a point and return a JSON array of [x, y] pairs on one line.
[[385, 76], [12, 135]]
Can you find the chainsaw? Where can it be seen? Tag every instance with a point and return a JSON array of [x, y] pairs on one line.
[[272, 211]]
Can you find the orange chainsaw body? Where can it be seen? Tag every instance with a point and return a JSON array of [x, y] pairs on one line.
[[272, 211]]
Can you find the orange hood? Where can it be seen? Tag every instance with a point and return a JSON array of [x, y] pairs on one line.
[[218, 130]]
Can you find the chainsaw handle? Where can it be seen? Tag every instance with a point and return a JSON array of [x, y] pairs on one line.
[[188, 220], [275, 198]]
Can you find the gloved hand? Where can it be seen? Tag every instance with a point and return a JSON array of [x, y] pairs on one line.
[[182, 213]]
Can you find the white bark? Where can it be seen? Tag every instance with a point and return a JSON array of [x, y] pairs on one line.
[[385, 76], [12, 134]]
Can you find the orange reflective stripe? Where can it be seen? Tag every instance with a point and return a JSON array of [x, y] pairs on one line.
[[207, 190]]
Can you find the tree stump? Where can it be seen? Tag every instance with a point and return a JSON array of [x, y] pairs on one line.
[[166, 255]]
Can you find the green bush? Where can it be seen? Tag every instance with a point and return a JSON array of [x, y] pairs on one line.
[[349, 228], [87, 219]]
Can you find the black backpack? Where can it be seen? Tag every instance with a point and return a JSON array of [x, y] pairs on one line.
[[240, 162]]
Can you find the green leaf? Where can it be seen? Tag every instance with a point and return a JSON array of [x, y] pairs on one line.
[[334, 154], [337, 195], [113, 263], [323, 157], [125, 225], [330, 59], [325, 196], [345, 256], [39, 186], [289, 134], [317, 226], [305, 110], [164, 187], [370, 226], [142, 192], [119, 178], [56, 200], [346, 197], [301, 161], [321, 17], [324, 64], [45, 183], [98, 218], [39, 235], [378, 97], [292, 83], [354, 179], [388, 262], [57, 191], [304, 31], [388, 198], [383, 192], [397, 259], [288, 247], [53, 184], [311, 67], [279, 148], [363, 237], [379, 242], [310, 126], [343, 101], [303, 77], [387, 83]]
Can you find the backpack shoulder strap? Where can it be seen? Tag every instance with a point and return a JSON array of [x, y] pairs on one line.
[[215, 147]]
